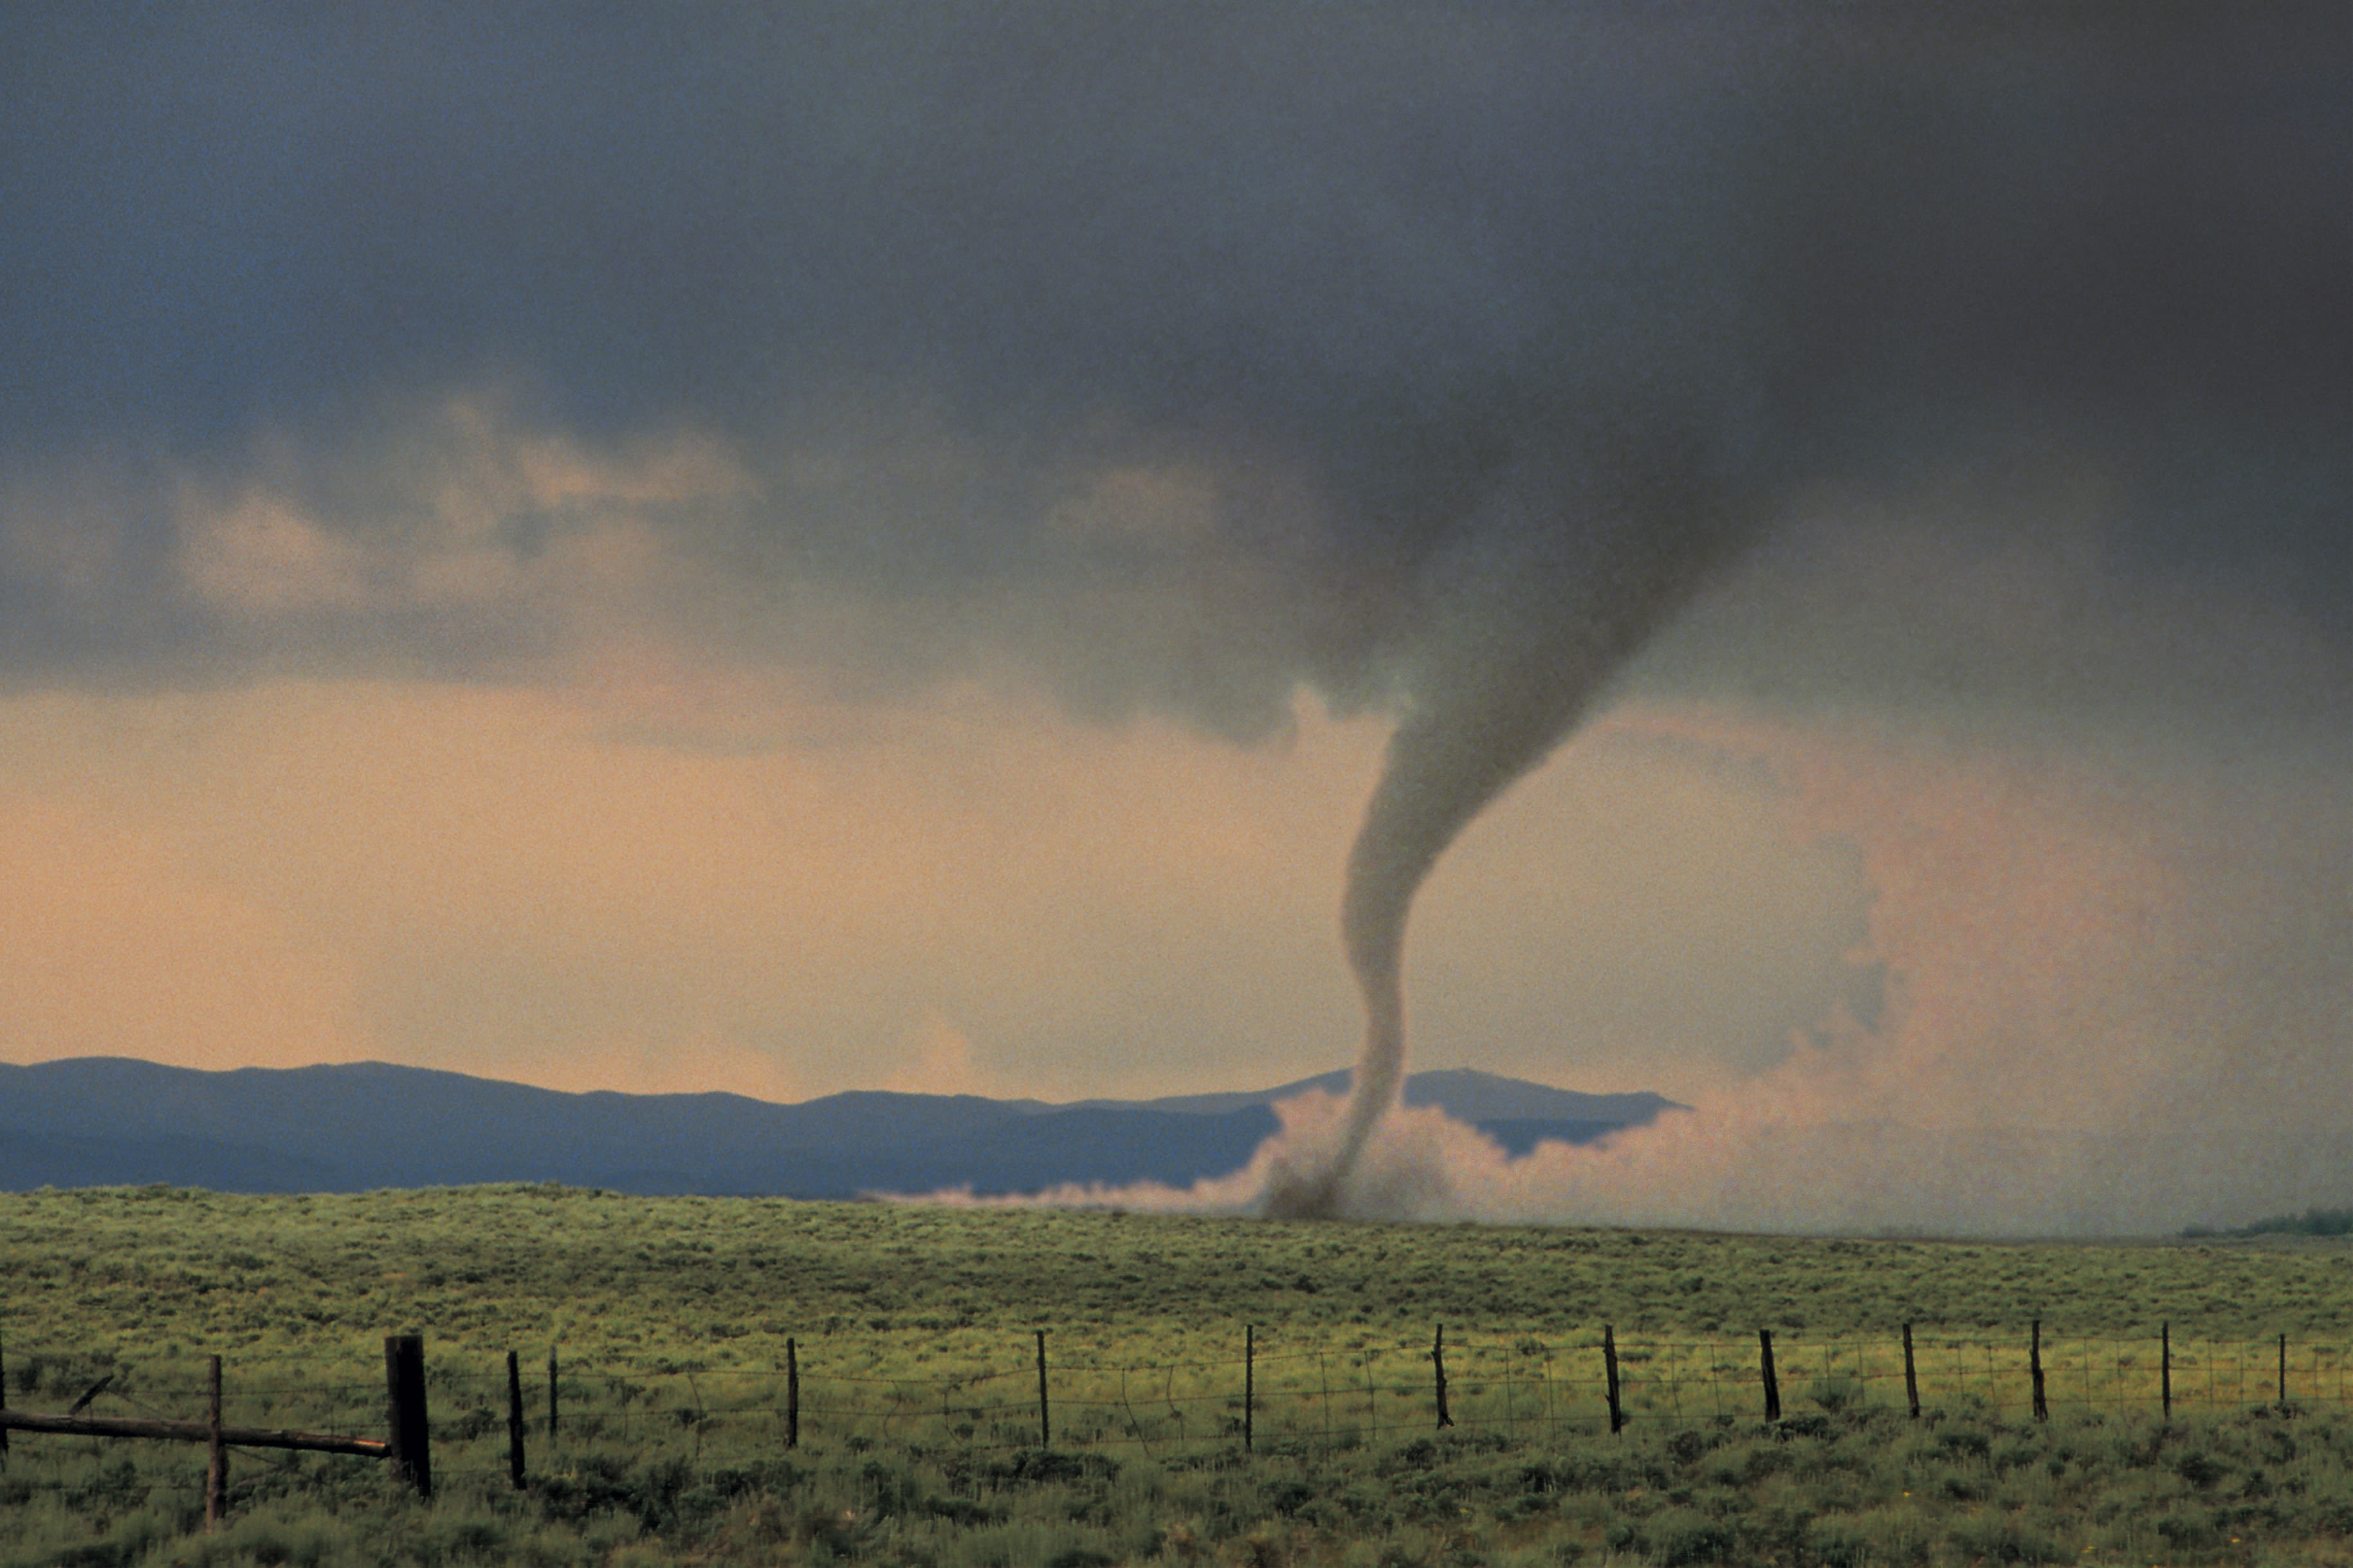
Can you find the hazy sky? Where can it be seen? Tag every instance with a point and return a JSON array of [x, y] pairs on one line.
[[786, 549]]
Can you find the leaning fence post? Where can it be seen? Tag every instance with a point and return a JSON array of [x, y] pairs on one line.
[[1250, 1379], [1438, 1361], [792, 1393], [1911, 1375], [2165, 1366], [216, 1469], [1610, 1372], [404, 1377], [515, 1419], [1772, 1383], [2034, 1365]]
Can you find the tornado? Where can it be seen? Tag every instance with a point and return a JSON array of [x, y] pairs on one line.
[[1573, 563]]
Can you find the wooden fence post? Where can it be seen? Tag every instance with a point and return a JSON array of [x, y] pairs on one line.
[[792, 1393], [4, 1405], [1772, 1383], [2165, 1366], [216, 1471], [1250, 1379], [1045, 1422], [404, 1381], [515, 1419], [2283, 1378], [1911, 1375], [2034, 1363], [1438, 1361], [551, 1393], [1610, 1372]]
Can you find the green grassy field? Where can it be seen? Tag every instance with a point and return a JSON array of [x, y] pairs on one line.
[[912, 1332]]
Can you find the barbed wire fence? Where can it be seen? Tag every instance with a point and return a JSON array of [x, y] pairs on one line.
[[1276, 1394]]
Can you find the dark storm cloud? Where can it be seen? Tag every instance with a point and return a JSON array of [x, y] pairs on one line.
[[704, 207], [1403, 246]]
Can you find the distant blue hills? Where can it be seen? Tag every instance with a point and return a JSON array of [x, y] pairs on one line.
[[116, 1121]]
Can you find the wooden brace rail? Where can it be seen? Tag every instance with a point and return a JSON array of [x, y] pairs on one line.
[[191, 1432]]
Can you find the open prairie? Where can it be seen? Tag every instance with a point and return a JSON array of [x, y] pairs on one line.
[[754, 1380]]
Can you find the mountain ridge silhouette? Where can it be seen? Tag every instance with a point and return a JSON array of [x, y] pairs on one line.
[[356, 1126]]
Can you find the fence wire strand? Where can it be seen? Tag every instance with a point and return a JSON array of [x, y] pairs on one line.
[[1307, 1392]]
